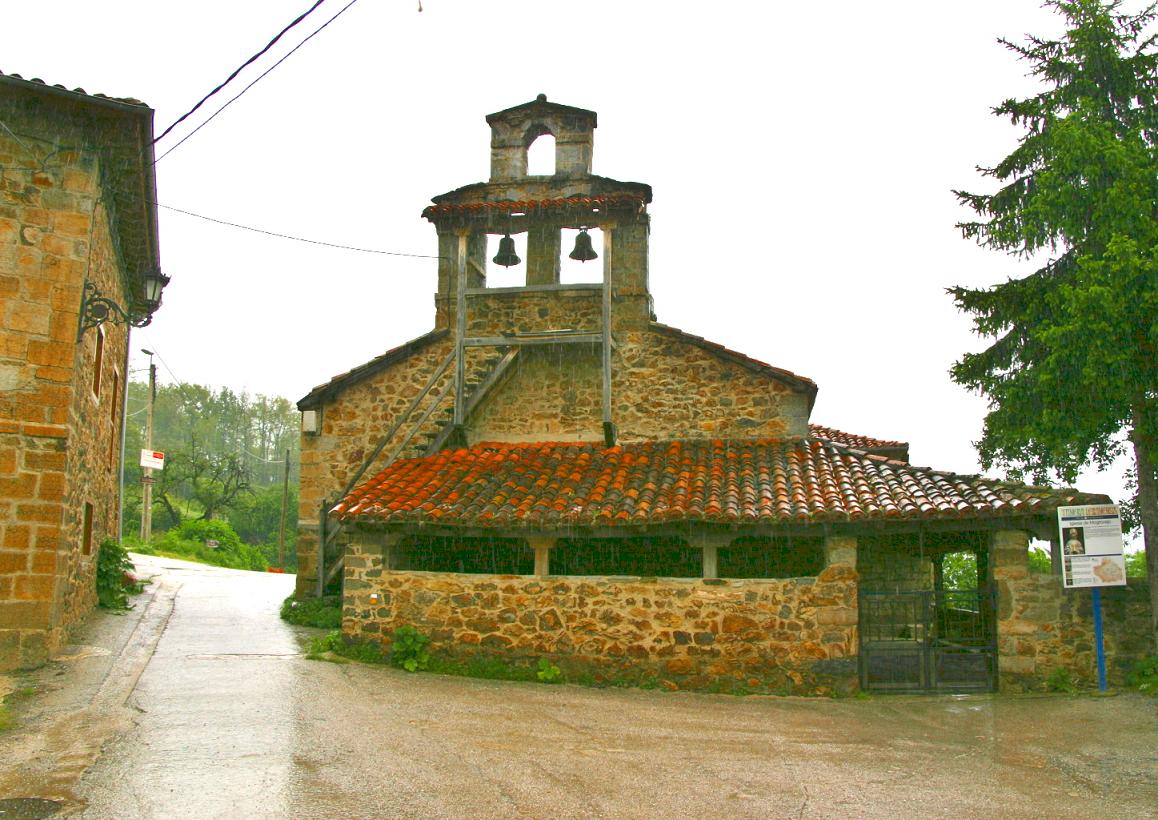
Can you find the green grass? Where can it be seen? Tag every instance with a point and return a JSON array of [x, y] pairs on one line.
[[324, 613], [6, 720]]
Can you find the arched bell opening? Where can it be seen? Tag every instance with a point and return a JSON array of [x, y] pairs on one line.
[[577, 264], [506, 260], [541, 155]]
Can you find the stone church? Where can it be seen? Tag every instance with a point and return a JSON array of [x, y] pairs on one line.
[[551, 472]]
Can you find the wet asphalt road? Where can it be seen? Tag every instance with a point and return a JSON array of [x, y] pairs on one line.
[[201, 705]]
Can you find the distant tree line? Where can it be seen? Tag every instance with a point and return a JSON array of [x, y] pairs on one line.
[[224, 461]]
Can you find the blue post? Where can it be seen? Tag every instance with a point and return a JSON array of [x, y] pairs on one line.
[[1097, 593]]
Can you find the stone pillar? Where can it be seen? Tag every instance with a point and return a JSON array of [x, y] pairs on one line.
[[840, 549], [542, 547], [629, 273], [710, 546], [1009, 563], [544, 246]]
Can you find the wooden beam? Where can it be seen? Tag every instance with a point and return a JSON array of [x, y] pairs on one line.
[[608, 244], [577, 286], [569, 337], [460, 321]]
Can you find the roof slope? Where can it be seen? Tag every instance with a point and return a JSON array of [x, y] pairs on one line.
[[898, 450], [801, 384], [557, 484], [363, 371]]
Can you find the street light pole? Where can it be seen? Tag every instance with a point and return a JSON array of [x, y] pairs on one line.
[[147, 476], [284, 505]]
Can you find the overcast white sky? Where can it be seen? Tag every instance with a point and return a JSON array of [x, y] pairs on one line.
[[802, 157]]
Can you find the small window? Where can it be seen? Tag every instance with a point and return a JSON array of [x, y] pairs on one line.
[[98, 364], [87, 542]]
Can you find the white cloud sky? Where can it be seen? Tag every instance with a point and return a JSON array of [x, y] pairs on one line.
[[802, 158]]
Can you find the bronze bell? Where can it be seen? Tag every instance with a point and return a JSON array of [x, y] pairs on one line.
[[506, 255], [583, 250]]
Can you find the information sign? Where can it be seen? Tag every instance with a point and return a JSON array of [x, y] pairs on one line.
[[152, 459], [1091, 538]]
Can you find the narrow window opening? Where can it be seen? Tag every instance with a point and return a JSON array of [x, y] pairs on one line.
[[87, 539], [572, 271], [541, 156], [98, 364], [514, 276], [113, 428]]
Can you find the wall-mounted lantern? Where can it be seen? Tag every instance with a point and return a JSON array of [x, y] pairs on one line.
[[96, 308]]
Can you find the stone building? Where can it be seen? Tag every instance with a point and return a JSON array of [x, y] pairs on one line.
[[552, 473], [78, 261]]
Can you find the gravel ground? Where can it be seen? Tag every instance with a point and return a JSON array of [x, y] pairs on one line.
[[199, 703]]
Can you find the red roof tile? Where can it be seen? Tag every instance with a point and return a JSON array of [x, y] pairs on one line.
[[852, 439], [555, 484]]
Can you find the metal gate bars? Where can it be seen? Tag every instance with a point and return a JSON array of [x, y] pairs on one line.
[[928, 641]]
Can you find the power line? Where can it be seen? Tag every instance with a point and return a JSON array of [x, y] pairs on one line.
[[296, 238], [255, 82], [231, 77]]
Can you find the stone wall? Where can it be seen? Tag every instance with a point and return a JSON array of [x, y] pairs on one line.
[[59, 441], [662, 388], [1042, 627], [794, 636]]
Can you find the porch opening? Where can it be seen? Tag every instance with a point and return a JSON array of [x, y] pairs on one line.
[[484, 556], [927, 613], [649, 557], [757, 557]]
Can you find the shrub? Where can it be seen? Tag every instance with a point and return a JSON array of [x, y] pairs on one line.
[[548, 672], [409, 649], [325, 613], [1136, 564], [1060, 680], [335, 644], [1144, 675], [115, 580], [191, 541]]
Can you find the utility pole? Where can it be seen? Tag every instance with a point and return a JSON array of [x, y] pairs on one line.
[[284, 504], [147, 477]]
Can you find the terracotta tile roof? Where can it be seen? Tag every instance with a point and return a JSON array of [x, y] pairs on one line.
[[539, 205], [362, 371], [796, 481], [851, 439], [801, 383], [898, 450]]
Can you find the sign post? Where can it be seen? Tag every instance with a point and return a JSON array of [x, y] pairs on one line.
[[1091, 538]]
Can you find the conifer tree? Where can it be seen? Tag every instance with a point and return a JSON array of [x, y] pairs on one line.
[[1072, 373]]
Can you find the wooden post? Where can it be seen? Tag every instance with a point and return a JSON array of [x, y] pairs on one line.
[[284, 505], [608, 426], [711, 561], [542, 547], [460, 323]]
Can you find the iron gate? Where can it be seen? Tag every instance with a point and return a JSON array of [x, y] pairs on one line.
[[928, 641]]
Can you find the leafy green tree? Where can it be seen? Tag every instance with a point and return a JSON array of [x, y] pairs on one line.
[[221, 448], [1072, 374]]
